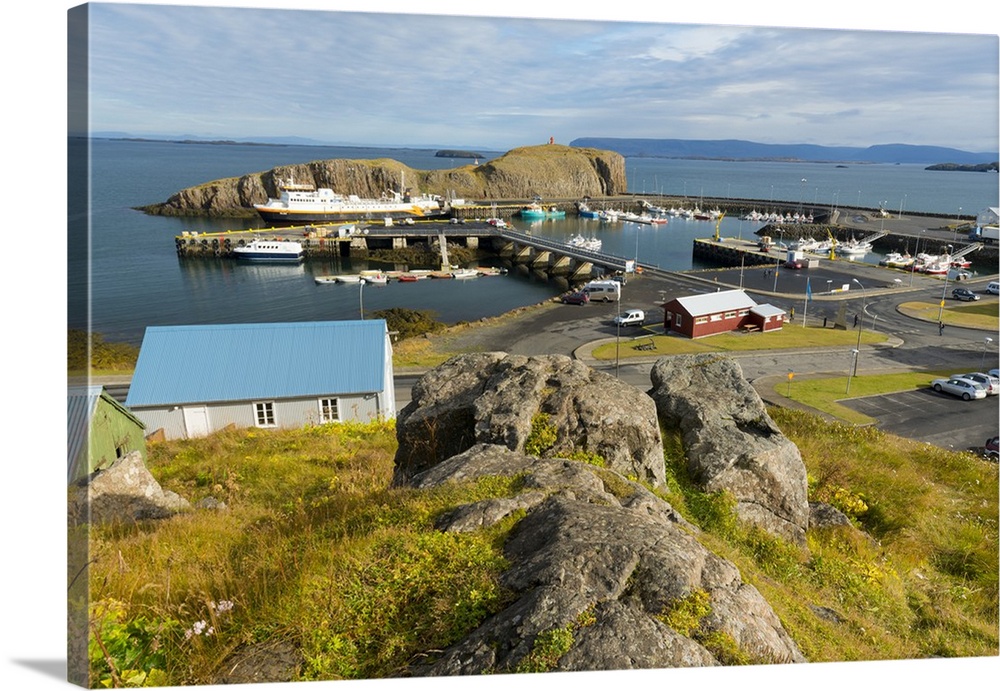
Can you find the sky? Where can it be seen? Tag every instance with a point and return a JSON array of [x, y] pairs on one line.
[[504, 87], [393, 79]]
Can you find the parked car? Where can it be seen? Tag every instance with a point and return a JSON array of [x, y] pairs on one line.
[[993, 288], [964, 294], [578, 298], [994, 373], [963, 388], [630, 318], [991, 384], [794, 264]]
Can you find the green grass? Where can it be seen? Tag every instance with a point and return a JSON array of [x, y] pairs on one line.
[[924, 584], [791, 336], [977, 315], [316, 548], [825, 394]]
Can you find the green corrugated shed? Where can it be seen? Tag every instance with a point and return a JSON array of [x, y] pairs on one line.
[[100, 430]]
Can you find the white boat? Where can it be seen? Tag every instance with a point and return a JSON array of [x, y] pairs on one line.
[[301, 203], [896, 260], [464, 273], [377, 279], [853, 247], [270, 251], [591, 244]]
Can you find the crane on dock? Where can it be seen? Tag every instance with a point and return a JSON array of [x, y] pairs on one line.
[[719, 223]]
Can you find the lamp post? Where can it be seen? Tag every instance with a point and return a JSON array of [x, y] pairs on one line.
[[361, 297], [986, 344], [943, 291], [861, 324], [854, 353], [900, 215]]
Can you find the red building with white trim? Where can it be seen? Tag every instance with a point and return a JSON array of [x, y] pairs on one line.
[[696, 316]]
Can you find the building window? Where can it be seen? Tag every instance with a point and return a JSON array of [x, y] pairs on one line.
[[744, 313], [677, 320], [716, 317], [328, 410], [730, 315], [265, 413], [701, 320]]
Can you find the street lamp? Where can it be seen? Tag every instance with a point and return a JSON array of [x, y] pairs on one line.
[[944, 290], [361, 296], [854, 353], [861, 324], [986, 344]]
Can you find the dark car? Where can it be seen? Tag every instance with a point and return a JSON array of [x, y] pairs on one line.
[[580, 298], [964, 294]]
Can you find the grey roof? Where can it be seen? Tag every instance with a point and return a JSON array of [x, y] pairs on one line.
[[767, 310], [713, 303], [81, 403], [239, 362]]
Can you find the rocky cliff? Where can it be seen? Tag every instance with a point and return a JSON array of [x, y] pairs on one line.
[[549, 170]]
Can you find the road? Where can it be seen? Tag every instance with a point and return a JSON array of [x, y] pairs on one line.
[[923, 415]]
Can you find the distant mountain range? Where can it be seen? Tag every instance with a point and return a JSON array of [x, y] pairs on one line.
[[736, 149]]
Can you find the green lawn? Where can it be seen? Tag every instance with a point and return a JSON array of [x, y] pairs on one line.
[[791, 336], [827, 393]]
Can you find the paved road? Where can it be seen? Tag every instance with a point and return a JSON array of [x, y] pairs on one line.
[[924, 415]]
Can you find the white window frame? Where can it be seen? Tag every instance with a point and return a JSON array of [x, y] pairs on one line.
[[264, 414], [324, 405]]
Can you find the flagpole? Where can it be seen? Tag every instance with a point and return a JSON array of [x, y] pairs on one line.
[[805, 308]]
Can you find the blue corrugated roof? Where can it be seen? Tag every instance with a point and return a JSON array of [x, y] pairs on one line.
[[235, 362]]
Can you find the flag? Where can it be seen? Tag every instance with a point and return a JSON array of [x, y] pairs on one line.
[[809, 293]]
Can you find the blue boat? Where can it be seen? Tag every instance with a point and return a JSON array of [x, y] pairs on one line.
[[535, 212]]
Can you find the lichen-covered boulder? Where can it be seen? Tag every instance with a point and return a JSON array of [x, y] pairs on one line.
[[125, 491], [603, 575], [547, 405], [731, 442]]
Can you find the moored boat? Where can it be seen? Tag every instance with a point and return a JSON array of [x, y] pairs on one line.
[[270, 251], [536, 211], [301, 203]]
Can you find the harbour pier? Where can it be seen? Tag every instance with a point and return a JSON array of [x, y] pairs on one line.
[[342, 240]]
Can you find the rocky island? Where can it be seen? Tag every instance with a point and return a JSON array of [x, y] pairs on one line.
[[548, 170]]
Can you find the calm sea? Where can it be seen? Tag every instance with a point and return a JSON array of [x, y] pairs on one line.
[[137, 280]]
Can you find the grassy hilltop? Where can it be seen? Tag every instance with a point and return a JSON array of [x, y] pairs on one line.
[[317, 557]]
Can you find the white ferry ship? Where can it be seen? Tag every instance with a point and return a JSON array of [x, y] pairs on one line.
[[301, 204], [270, 251]]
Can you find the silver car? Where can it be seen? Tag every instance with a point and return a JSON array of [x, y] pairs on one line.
[[963, 388], [991, 384]]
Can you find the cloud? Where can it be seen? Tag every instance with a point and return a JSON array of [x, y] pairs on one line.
[[373, 78]]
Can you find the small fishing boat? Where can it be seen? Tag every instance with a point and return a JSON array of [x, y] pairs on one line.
[[464, 273]]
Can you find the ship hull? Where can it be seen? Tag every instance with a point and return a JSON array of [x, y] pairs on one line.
[[285, 217]]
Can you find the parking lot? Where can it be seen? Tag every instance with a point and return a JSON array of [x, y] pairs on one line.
[[928, 416]]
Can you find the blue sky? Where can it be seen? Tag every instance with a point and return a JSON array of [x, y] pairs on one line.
[[422, 80]]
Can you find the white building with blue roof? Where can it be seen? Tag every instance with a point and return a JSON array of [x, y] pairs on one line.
[[191, 381]]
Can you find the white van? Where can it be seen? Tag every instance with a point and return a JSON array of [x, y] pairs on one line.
[[604, 291], [993, 288]]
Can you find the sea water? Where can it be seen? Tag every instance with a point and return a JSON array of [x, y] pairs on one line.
[[137, 280]]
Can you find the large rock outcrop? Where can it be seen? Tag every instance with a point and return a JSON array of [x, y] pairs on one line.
[[551, 171], [560, 405], [603, 562], [731, 442]]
